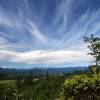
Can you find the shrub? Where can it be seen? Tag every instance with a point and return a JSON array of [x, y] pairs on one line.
[[81, 87]]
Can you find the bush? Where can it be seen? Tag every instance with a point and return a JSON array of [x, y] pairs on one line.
[[81, 87]]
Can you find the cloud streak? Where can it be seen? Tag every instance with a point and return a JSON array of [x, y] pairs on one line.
[[88, 23], [32, 28], [45, 56]]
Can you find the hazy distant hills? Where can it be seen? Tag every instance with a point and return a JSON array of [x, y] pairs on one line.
[[42, 70], [64, 70]]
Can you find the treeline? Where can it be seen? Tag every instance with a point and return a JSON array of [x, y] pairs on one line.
[[12, 74]]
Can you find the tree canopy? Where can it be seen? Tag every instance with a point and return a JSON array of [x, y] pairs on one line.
[[94, 46]]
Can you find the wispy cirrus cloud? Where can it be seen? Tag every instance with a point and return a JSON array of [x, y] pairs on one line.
[[88, 23], [10, 21], [32, 32], [32, 28], [5, 21], [15, 29]]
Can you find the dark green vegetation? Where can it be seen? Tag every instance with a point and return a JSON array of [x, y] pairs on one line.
[[44, 88], [77, 85], [82, 86]]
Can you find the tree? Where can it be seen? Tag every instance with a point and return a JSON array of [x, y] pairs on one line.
[[94, 46], [29, 79], [19, 82], [46, 74]]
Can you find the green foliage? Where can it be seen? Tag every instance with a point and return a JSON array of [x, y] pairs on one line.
[[2, 75], [28, 80], [42, 89], [93, 69], [81, 87], [94, 46]]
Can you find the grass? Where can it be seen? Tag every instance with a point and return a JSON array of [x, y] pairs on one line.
[[8, 83], [42, 89]]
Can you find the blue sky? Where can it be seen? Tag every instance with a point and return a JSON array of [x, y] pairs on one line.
[[47, 33]]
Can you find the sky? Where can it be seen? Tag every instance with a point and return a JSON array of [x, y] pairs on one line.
[[47, 33]]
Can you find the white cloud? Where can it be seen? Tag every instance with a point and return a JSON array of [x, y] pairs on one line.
[[63, 12], [75, 50], [33, 29], [45, 56], [88, 23], [10, 21], [7, 45], [5, 21]]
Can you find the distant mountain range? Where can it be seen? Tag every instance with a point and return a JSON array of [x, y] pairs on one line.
[[42, 70]]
